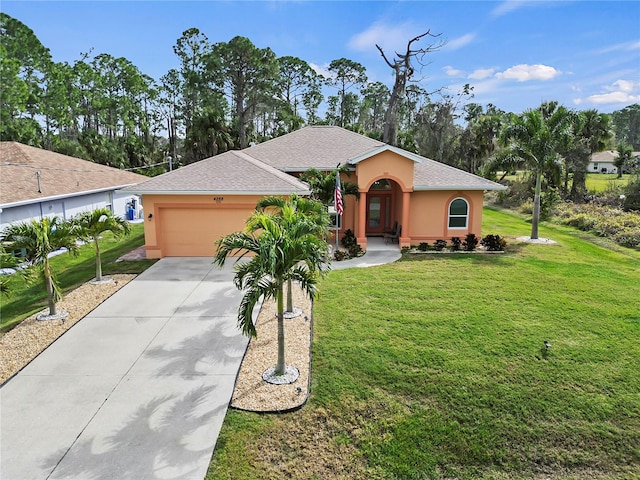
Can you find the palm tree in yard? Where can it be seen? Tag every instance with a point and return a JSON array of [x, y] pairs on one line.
[[92, 225], [284, 245], [535, 139], [315, 210], [39, 239]]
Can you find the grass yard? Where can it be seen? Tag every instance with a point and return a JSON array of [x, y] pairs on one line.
[[602, 182], [435, 368], [72, 271]]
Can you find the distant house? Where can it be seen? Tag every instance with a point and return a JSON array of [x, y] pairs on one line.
[[188, 209], [37, 183], [602, 162]]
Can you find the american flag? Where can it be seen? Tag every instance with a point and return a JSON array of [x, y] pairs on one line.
[[337, 197]]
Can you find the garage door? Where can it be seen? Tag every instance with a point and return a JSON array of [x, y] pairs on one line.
[[192, 232]]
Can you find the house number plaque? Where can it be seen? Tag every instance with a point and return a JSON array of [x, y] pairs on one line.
[[218, 199]]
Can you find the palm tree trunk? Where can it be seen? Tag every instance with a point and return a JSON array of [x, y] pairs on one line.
[[98, 261], [536, 207], [280, 366], [49, 284], [289, 297]]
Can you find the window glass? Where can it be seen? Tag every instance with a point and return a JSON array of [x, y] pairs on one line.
[[458, 213]]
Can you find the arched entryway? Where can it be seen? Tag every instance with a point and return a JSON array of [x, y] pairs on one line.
[[382, 202]]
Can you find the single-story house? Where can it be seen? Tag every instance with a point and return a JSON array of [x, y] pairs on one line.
[[602, 162], [188, 209], [37, 183]]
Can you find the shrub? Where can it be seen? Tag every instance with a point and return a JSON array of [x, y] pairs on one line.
[[340, 255], [470, 242], [355, 251], [456, 244], [494, 243], [423, 247], [604, 221], [349, 239], [632, 195], [439, 245]]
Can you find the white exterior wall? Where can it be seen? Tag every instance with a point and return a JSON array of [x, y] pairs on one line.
[[68, 207], [596, 167]]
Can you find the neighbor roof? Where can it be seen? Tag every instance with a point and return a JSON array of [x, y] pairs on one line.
[[232, 172], [60, 175], [608, 156]]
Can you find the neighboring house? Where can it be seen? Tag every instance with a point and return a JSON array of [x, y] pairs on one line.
[[602, 162], [188, 209], [37, 183]]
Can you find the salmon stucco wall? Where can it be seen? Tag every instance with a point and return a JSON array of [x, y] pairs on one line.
[[429, 217], [385, 165], [189, 225]]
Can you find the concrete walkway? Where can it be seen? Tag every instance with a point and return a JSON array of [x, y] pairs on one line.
[[140, 387]]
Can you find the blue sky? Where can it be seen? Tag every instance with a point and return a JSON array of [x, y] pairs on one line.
[[516, 54]]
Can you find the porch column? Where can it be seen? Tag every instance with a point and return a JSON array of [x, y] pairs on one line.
[[361, 235], [405, 239]]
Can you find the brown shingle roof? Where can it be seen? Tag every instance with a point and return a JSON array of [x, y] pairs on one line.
[[259, 169], [60, 175], [320, 147], [232, 172]]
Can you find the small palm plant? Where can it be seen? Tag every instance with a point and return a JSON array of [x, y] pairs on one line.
[[91, 225], [315, 210], [284, 246], [39, 239]]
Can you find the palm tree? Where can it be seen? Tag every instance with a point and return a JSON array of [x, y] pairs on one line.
[[535, 139], [312, 208], [625, 155], [284, 246], [323, 184], [39, 239], [91, 225]]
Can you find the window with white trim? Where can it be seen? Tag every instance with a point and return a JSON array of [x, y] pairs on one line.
[[458, 213]]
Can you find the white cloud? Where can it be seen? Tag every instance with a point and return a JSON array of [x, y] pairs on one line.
[[460, 42], [452, 72], [390, 37], [508, 7], [321, 70], [525, 73], [621, 91], [621, 47], [481, 73]]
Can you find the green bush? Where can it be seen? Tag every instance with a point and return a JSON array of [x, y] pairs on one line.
[[456, 243], [470, 242], [494, 243], [423, 247], [602, 220], [439, 245]]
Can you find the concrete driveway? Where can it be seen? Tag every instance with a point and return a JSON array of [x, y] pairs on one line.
[[136, 390]]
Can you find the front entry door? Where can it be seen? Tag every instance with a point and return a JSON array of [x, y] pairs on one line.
[[378, 213]]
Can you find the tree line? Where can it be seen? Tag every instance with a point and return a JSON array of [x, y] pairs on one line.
[[226, 95]]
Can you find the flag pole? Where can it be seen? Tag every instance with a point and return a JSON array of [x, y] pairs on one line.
[[338, 205]]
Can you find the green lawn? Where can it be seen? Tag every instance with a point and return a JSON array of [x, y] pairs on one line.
[[601, 182], [436, 368], [72, 271]]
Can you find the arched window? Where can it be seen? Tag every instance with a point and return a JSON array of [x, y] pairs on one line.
[[458, 213]]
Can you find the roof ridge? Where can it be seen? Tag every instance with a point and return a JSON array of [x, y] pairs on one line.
[[293, 181]]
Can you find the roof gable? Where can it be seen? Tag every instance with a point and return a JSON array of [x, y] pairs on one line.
[[24, 170]]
